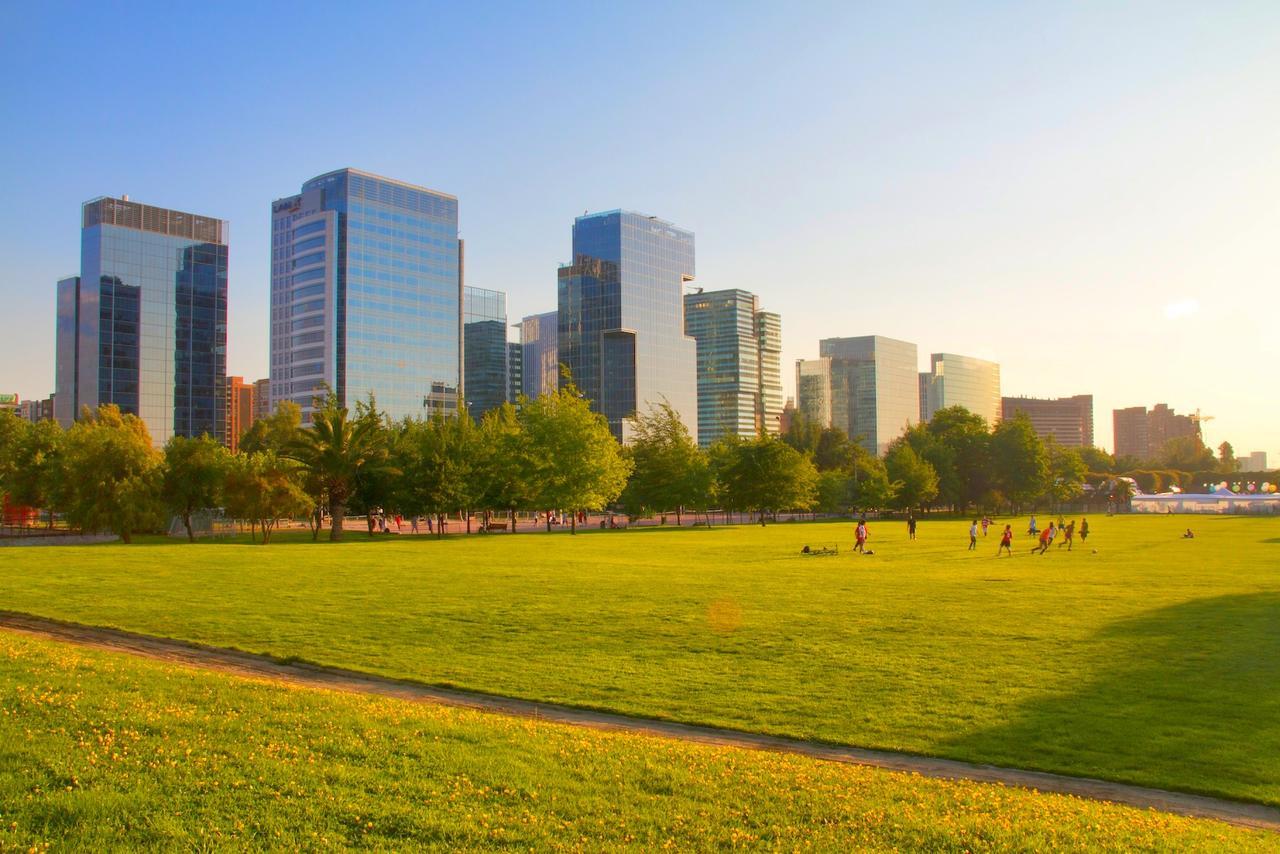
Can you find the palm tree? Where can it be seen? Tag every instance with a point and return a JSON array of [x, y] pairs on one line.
[[336, 450]]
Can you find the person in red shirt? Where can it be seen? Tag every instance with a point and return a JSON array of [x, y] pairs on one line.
[[1006, 541]]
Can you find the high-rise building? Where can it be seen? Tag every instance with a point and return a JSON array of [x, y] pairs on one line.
[[515, 371], [813, 390], [484, 348], [1069, 420], [621, 317], [366, 295], [540, 354], [739, 386], [961, 381], [875, 388], [1142, 434], [1255, 461], [240, 407], [144, 326], [261, 398]]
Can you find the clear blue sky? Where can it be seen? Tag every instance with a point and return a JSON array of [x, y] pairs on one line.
[[1088, 193]]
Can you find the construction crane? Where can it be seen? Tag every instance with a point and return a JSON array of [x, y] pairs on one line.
[[1198, 419]]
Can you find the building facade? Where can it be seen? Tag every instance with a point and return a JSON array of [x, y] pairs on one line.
[[1129, 426], [144, 326], [813, 391], [240, 408], [515, 371], [875, 388], [261, 398], [1142, 433], [739, 348], [621, 317], [1255, 461], [540, 354], [484, 335], [1069, 420], [366, 295], [955, 380]]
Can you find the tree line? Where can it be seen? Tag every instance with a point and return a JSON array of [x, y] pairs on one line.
[[550, 453]]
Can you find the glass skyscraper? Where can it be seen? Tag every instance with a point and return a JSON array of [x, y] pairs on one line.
[[540, 356], [484, 348], [621, 316], [366, 294], [813, 390], [961, 381], [738, 346], [875, 388], [145, 324]]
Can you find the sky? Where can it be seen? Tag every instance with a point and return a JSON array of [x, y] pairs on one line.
[[1087, 193]]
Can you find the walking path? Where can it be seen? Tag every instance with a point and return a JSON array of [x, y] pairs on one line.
[[241, 663]]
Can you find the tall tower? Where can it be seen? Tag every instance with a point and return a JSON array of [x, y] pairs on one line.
[[875, 388], [366, 294], [621, 316]]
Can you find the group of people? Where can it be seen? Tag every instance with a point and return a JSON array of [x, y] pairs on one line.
[[1062, 532]]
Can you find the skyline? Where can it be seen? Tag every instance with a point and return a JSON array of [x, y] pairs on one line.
[[979, 194]]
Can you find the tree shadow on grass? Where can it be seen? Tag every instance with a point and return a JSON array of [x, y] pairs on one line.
[[1189, 701]]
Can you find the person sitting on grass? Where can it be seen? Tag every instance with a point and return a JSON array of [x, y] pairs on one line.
[[1006, 541], [1188, 535]]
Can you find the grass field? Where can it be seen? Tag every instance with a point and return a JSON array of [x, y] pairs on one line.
[[1155, 660], [102, 752]]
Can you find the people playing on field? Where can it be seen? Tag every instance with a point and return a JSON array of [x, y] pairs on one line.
[[986, 523], [860, 536], [1031, 528], [973, 535], [1046, 539], [911, 526], [1068, 535], [1084, 530], [1006, 541]]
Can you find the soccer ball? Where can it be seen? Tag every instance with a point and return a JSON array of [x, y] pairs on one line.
[[1095, 551]]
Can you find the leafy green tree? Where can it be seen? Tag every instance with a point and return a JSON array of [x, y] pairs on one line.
[[442, 469], [34, 478], [914, 478], [502, 466], [803, 434], [1098, 461], [195, 471], [13, 436], [871, 488], [1066, 472], [1187, 453], [336, 450], [960, 452], [764, 474], [275, 432], [264, 487], [1020, 465], [573, 460], [376, 485], [669, 471], [109, 476], [1227, 463]]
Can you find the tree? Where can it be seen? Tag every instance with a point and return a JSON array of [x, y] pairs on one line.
[[1019, 463], [1187, 453], [573, 460], [871, 488], [960, 452], [1227, 462], [1098, 461], [195, 471], [501, 468], [336, 451], [274, 432], [1066, 472], [264, 487], [109, 475], [669, 471], [13, 434], [34, 479], [764, 474], [914, 478], [441, 465], [804, 434]]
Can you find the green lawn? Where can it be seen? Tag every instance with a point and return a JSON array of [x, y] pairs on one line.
[[1154, 661], [101, 751]]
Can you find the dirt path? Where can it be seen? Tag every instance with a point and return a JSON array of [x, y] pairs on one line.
[[241, 663]]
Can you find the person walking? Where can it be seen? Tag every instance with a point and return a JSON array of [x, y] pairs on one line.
[[911, 526], [1006, 541], [1068, 534], [860, 536], [413, 524], [1084, 530], [1031, 528], [1046, 537], [986, 523], [973, 535]]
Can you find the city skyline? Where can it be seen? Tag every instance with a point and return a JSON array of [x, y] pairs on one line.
[[1079, 229]]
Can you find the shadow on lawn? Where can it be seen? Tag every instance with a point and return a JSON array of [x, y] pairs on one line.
[[1190, 701]]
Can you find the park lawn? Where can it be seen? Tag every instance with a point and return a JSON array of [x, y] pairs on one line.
[[101, 751], [1155, 660]]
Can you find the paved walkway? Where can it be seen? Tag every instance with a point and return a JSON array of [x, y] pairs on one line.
[[241, 663]]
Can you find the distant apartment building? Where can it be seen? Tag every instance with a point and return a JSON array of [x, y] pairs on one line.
[[144, 325], [366, 295], [261, 398], [539, 354], [1068, 420], [484, 350], [739, 348], [240, 407], [515, 371], [1255, 461], [955, 380], [873, 388], [621, 317], [1142, 433]]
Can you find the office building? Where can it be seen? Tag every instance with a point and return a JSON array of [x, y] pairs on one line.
[[515, 371], [621, 317], [540, 354], [484, 348], [144, 326], [874, 388], [738, 346], [261, 398], [813, 391], [240, 408], [1069, 420], [1253, 462], [366, 295], [955, 380], [1142, 433]]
